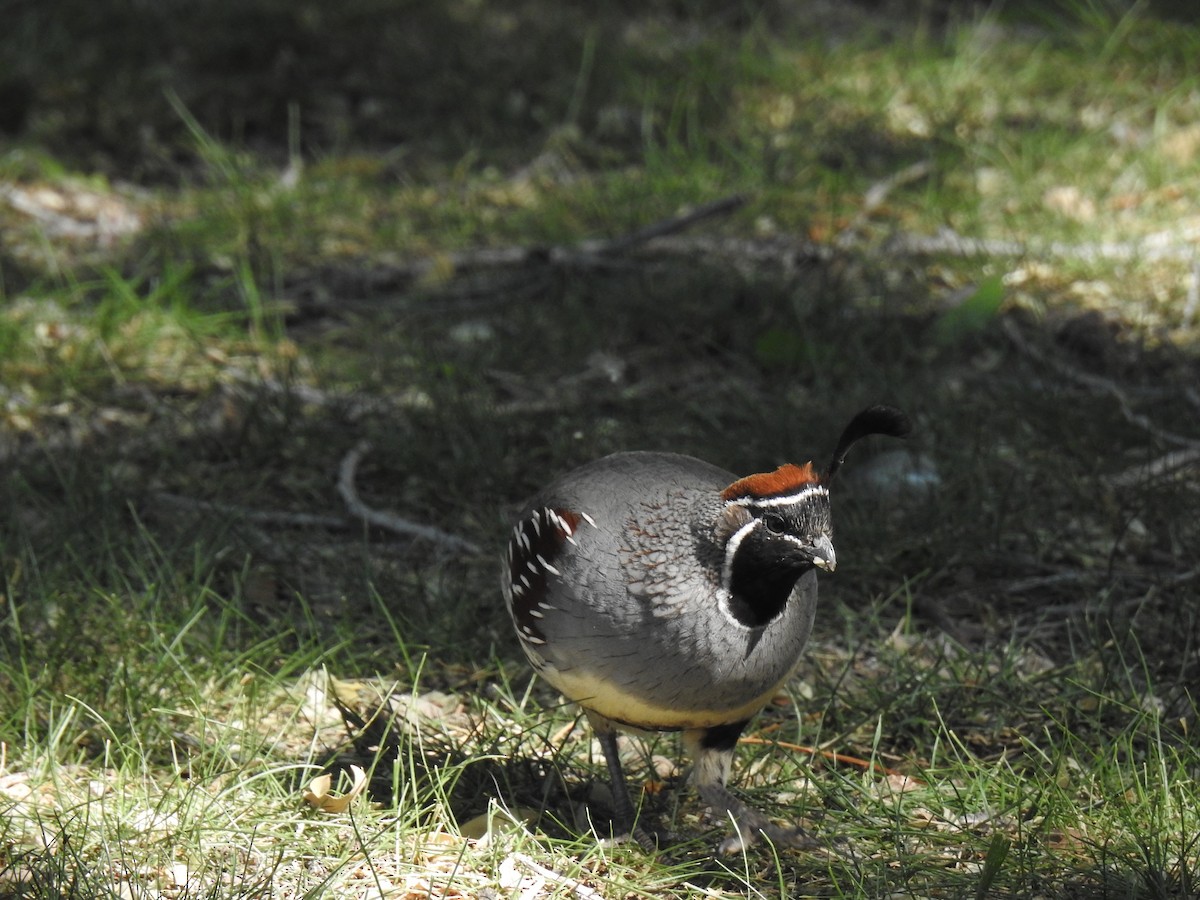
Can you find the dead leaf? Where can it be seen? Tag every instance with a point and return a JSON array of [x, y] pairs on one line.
[[497, 820], [1069, 201], [318, 794], [896, 783], [1068, 839]]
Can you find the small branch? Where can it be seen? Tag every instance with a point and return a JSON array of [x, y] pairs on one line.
[[1184, 577], [1144, 473], [1156, 247], [664, 240], [674, 225], [864, 764], [387, 520], [590, 253], [875, 196], [785, 254], [1100, 385]]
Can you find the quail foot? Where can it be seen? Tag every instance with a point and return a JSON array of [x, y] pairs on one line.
[[661, 593]]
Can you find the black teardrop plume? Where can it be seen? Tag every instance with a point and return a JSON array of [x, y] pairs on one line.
[[879, 419]]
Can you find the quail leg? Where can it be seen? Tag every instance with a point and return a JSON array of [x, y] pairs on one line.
[[624, 812], [711, 750]]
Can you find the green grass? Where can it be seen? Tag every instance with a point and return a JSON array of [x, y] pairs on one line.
[[1016, 647]]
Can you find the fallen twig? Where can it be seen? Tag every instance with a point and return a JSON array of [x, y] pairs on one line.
[[387, 520], [673, 225], [875, 196], [1144, 473], [1100, 385], [588, 253], [663, 239], [877, 767], [947, 242]]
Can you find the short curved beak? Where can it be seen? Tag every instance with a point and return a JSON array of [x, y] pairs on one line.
[[823, 555]]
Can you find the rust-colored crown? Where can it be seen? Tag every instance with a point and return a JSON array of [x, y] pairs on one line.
[[787, 479]]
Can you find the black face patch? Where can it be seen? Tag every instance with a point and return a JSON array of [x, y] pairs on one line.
[[771, 557]]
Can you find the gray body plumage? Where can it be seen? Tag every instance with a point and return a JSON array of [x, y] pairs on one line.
[[665, 594], [622, 584], [641, 630]]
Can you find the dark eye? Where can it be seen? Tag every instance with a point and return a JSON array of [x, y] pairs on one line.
[[775, 524]]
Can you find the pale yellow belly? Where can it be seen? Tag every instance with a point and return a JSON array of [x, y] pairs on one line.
[[623, 708]]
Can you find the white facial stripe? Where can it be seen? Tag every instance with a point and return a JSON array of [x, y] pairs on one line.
[[731, 547], [785, 500]]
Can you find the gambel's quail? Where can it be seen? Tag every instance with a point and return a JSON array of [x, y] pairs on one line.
[[661, 593]]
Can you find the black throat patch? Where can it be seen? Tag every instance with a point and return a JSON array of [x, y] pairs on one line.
[[759, 593]]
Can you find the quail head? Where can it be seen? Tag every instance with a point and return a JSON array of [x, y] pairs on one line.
[[661, 593]]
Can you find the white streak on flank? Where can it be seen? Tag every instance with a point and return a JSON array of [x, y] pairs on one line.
[[530, 566], [525, 581], [536, 614], [517, 590], [589, 520], [537, 524], [731, 548], [545, 565]]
